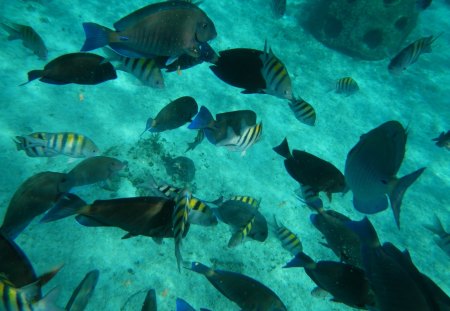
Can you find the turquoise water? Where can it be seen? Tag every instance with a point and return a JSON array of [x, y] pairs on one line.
[[114, 113]]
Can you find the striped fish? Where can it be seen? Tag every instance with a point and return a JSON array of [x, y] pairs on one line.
[[180, 221], [346, 86], [274, 72], [42, 144], [246, 199], [247, 138], [278, 8], [410, 54], [30, 38], [145, 69], [289, 240], [23, 299], [309, 196], [303, 111], [239, 236], [168, 190]]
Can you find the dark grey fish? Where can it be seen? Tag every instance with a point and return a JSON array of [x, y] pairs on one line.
[[278, 8], [410, 54], [443, 140], [78, 68], [371, 168], [247, 293], [150, 301], [346, 86], [173, 115], [181, 169], [84, 291], [30, 38], [444, 237], [303, 111]]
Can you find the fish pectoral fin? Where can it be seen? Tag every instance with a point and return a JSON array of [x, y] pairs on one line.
[[171, 60]]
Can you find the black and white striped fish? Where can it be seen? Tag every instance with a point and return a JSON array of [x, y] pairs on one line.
[[303, 111], [247, 138], [289, 240], [30, 38], [43, 144], [346, 86], [145, 69], [410, 54], [274, 72]]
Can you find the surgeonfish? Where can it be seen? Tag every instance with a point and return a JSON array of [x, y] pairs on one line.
[[170, 28], [247, 138], [241, 68], [150, 303], [307, 169], [303, 111], [278, 7], [371, 168], [278, 82], [239, 236], [197, 141], [444, 237], [173, 115], [34, 196], [180, 221], [443, 140], [346, 86], [346, 283], [18, 299], [247, 293], [84, 291], [30, 38], [43, 144], [145, 69], [410, 54], [78, 68], [288, 239]]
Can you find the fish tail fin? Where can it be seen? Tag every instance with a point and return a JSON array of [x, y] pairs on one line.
[[148, 126], [283, 149], [202, 120], [178, 255], [20, 142], [69, 204], [182, 305], [365, 231], [48, 302], [48, 276], [200, 268], [13, 33], [111, 55], [96, 36], [398, 191], [436, 227], [33, 75], [300, 260]]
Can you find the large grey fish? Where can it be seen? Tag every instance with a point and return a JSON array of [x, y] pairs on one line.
[[170, 28], [371, 168], [30, 38]]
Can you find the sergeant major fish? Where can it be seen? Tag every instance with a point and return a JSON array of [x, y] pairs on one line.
[[288, 239], [30, 38], [346, 86], [303, 111]]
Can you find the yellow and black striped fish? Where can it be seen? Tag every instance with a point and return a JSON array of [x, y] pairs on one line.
[[239, 236], [247, 138], [42, 144], [29, 37], [346, 86], [246, 199], [180, 220], [410, 54], [303, 111], [15, 299], [274, 72], [306, 194], [289, 240], [145, 69]]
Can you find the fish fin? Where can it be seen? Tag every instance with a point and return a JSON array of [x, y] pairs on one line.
[[283, 149], [31, 291], [201, 268], [88, 221], [48, 276], [202, 120], [178, 255], [182, 305], [33, 75], [13, 33], [300, 260], [128, 236], [148, 126], [171, 60], [97, 36], [436, 227], [111, 56], [48, 302], [397, 193], [209, 134], [118, 48], [69, 204], [365, 231]]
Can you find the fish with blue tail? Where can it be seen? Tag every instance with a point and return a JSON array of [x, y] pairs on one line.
[[278, 82], [306, 194], [303, 111], [83, 293], [246, 292], [410, 54], [44, 144], [145, 69], [288, 239], [180, 221], [371, 168], [443, 140], [346, 283], [278, 8], [30, 38], [239, 236], [346, 86], [174, 115], [77, 68], [444, 237], [183, 305]]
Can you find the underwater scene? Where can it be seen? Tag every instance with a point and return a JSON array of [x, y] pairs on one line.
[[225, 155]]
